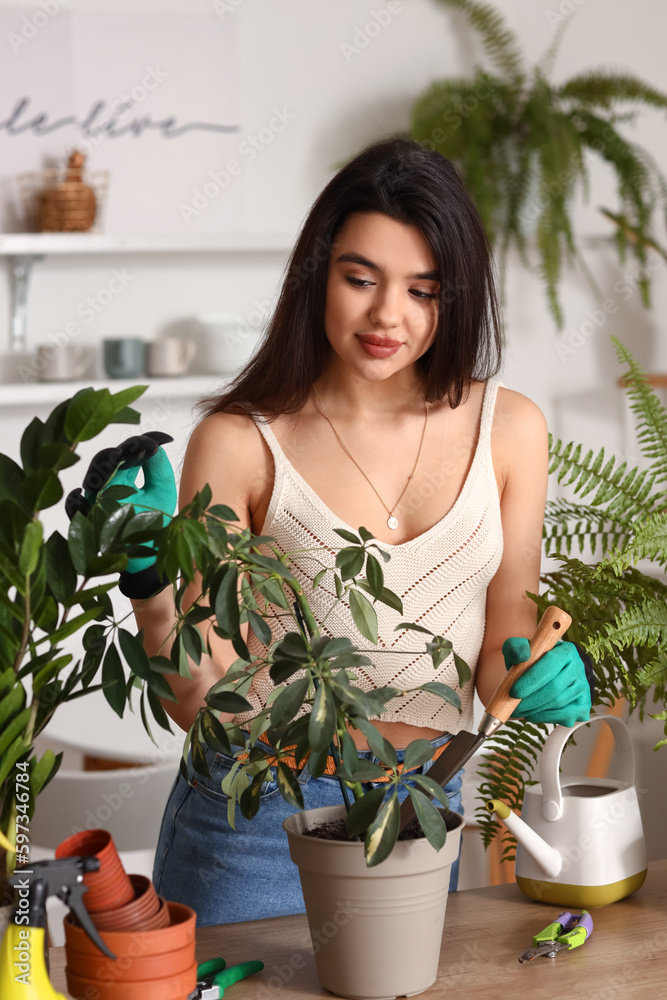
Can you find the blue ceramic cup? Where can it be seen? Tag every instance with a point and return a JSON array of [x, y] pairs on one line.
[[123, 357]]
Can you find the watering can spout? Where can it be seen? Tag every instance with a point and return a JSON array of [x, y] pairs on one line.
[[547, 857]]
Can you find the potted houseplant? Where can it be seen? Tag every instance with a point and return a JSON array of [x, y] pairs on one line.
[[56, 587], [619, 612], [315, 702], [522, 142], [50, 589]]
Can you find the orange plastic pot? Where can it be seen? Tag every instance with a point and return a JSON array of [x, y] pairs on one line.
[[176, 987], [138, 913], [179, 934], [132, 967], [109, 887]]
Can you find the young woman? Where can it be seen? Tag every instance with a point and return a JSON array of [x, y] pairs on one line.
[[372, 402]]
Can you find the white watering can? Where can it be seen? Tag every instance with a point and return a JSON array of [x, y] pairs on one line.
[[580, 840]]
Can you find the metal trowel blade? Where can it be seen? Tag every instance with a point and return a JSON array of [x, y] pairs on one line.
[[451, 760]]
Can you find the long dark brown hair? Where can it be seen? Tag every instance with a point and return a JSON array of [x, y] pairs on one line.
[[411, 184]]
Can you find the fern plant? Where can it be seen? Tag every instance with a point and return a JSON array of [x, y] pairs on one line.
[[522, 141], [619, 612]]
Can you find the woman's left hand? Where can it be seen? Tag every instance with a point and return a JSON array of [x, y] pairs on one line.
[[555, 689]]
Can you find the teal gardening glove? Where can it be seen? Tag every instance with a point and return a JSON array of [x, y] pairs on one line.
[[120, 466], [557, 688]]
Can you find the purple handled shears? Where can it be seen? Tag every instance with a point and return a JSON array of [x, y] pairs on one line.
[[567, 931]]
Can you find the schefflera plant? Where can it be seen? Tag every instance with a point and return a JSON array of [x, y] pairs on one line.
[[317, 698]]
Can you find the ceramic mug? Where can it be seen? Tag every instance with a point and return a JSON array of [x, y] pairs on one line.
[[169, 356], [55, 363], [123, 357], [229, 341]]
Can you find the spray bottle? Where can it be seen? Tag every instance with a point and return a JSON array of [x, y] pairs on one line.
[[23, 952]]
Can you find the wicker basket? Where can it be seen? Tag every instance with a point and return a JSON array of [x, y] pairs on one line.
[[64, 199]]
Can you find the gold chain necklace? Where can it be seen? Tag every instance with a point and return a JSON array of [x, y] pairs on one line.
[[392, 522]]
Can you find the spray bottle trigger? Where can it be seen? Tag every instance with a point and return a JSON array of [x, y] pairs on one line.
[[73, 897]]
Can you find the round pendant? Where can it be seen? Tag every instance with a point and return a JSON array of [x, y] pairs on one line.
[[392, 523]]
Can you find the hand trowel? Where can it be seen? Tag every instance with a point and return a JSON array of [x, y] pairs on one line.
[[553, 625]]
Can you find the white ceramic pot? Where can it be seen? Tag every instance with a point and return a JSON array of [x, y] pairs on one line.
[[376, 932]]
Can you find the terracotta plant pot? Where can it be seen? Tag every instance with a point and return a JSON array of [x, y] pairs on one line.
[[179, 934], [109, 887], [131, 967], [176, 987], [138, 914], [377, 932]]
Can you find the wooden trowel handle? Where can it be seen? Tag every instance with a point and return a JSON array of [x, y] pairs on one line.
[[553, 625]]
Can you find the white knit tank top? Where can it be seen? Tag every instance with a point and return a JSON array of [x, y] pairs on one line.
[[441, 577]]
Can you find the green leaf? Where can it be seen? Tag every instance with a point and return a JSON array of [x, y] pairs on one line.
[[274, 593], [134, 653], [350, 562], [42, 489], [89, 412], [413, 628], [290, 789], [81, 542], [317, 579], [223, 512], [463, 670], [322, 720], [157, 709], [443, 691], [250, 798], [13, 729], [380, 746], [260, 627], [349, 536], [228, 701], [11, 478], [430, 819], [214, 733], [416, 754], [226, 603], [193, 642], [29, 553], [56, 456], [43, 770], [293, 647], [366, 535], [281, 670], [121, 400], [374, 575], [432, 787], [73, 625], [12, 754], [113, 680], [288, 702], [364, 616], [11, 704], [60, 571], [363, 811], [383, 832]]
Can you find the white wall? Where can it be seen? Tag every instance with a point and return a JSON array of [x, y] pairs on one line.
[[291, 57]]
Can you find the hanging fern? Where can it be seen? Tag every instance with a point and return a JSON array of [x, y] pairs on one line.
[[522, 144]]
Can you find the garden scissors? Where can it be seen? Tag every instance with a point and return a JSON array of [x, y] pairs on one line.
[[213, 977], [568, 930]]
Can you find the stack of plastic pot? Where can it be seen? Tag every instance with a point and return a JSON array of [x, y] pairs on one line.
[[153, 940]]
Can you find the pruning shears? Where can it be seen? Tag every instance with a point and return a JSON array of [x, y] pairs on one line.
[[214, 977], [568, 930]]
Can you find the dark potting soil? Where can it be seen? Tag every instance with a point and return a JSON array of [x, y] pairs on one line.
[[334, 829]]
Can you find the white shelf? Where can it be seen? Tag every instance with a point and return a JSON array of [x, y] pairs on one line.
[[15, 244], [186, 387]]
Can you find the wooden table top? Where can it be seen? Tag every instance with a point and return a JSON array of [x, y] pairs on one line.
[[485, 931]]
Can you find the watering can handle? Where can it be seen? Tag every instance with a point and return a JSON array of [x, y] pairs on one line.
[[552, 795]]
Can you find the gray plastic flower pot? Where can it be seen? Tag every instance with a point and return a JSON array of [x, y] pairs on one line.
[[376, 932]]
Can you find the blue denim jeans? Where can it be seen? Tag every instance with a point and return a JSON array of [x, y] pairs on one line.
[[231, 875]]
